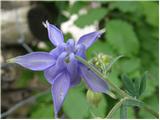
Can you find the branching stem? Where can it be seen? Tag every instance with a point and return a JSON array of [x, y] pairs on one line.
[[116, 107], [22, 103], [124, 95], [115, 88]]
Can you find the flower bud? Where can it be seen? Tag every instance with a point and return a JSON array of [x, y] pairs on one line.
[[93, 98], [101, 61]]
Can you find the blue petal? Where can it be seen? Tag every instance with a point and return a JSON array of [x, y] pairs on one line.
[[59, 91], [93, 81], [80, 50], [55, 35], [57, 51], [53, 71], [35, 61], [71, 42], [88, 39], [70, 46], [72, 68]]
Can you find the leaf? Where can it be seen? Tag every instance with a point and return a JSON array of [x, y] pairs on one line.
[[47, 98], [136, 84], [76, 7], [43, 107], [153, 102], [92, 15], [98, 47], [24, 79], [41, 77], [43, 111], [150, 89], [114, 76], [122, 37], [75, 105], [150, 10], [100, 110], [149, 57], [128, 84], [113, 62], [130, 65], [143, 83], [125, 6]]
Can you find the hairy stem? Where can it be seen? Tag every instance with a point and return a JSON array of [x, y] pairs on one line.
[[115, 88], [22, 103], [123, 112], [150, 111], [116, 107], [120, 92]]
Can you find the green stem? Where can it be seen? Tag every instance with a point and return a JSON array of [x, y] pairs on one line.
[[150, 111], [115, 88], [112, 62], [116, 107], [123, 112]]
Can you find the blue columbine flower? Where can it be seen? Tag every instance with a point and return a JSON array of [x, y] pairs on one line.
[[60, 67]]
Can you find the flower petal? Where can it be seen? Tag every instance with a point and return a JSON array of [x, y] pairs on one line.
[[93, 81], [55, 35], [53, 71], [57, 51], [89, 39], [59, 91], [35, 60], [70, 46], [71, 42], [72, 68], [75, 81], [80, 50]]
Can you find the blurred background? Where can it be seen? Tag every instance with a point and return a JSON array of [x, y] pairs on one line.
[[130, 29]]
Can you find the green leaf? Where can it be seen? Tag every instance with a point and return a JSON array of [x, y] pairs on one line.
[[24, 79], [92, 15], [75, 105], [125, 6], [113, 76], [99, 47], [47, 98], [128, 84], [76, 7], [136, 84], [43, 107], [150, 10], [112, 63], [43, 111], [150, 89], [153, 102], [41, 77], [143, 83], [130, 65], [122, 37], [100, 110]]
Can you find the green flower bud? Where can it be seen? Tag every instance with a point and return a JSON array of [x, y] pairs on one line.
[[93, 98], [101, 61]]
